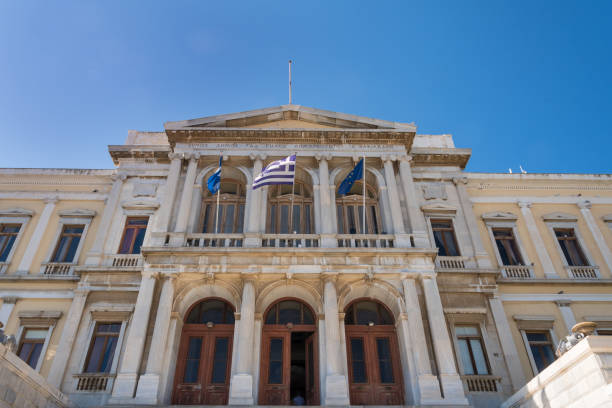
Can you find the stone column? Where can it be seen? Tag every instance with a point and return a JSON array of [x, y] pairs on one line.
[[162, 219], [585, 209], [33, 246], [428, 385], [8, 303], [385, 210], [185, 203], [252, 238], [568, 316], [125, 383], [336, 386], [317, 208], [480, 254], [394, 201], [517, 377], [536, 239], [148, 384], [452, 386], [333, 210], [241, 384], [94, 257], [328, 239], [418, 225], [64, 348]]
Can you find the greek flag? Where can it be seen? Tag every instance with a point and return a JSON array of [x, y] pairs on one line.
[[355, 174], [214, 181], [279, 172]]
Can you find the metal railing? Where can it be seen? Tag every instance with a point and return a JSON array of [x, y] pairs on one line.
[[214, 240], [583, 272], [290, 241], [481, 383], [517, 271], [93, 382], [365, 240], [451, 262], [57, 268]]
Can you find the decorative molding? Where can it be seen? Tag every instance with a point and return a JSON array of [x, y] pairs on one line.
[[16, 212], [534, 322], [559, 216], [140, 205], [144, 189], [439, 208], [434, 191], [39, 318], [499, 216], [465, 310], [77, 212], [111, 313]]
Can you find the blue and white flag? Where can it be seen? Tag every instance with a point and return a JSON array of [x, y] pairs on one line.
[[355, 174], [214, 181], [279, 172]]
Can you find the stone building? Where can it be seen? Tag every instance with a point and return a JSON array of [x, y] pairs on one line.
[[454, 292]]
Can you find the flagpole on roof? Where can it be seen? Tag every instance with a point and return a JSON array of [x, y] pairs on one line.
[[218, 196], [291, 231], [363, 226]]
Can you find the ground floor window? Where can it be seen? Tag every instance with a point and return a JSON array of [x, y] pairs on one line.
[[31, 345]]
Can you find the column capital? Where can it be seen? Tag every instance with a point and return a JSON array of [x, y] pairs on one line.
[[405, 158], [150, 274], [524, 204], [460, 180], [119, 177], [10, 300], [389, 158], [256, 156], [323, 156], [329, 277], [584, 205], [192, 156], [51, 200], [427, 276], [175, 156]]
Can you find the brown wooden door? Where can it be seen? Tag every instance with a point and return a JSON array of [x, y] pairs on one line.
[[312, 395], [275, 368], [375, 376], [203, 367]]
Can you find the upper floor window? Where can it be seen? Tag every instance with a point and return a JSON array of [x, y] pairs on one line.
[[471, 350], [102, 348], [133, 235], [349, 209], [232, 201], [31, 345], [570, 247], [444, 236], [8, 235], [68, 243], [284, 220], [507, 247], [541, 347]]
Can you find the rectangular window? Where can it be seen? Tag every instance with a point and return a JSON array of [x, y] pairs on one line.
[[471, 351], [31, 345], [8, 235], [102, 349], [570, 247], [133, 235], [506, 246], [541, 348], [68, 243], [444, 235]]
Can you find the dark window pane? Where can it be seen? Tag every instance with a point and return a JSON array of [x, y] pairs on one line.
[[449, 237], [240, 221], [374, 220], [207, 225], [272, 219], [193, 360], [310, 356], [271, 316], [138, 240], [127, 241], [440, 243], [289, 312], [296, 219], [479, 357], [95, 354], [307, 227], [466, 360], [340, 220], [7, 245], [25, 351], [358, 363], [109, 353], [37, 348], [348, 317], [275, 376], [61, 249], [384, 360], [74, 243], [362, 227], [284, 222], [228, 226], [537, 337], [350, 214], [308, 317], [220, 361]]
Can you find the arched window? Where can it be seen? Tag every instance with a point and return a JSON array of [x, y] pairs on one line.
[[279, 201], [367, 312], [231, 208], [289, 311], [211, 310], [349, 208]]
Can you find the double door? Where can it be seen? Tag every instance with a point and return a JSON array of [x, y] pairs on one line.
[[374, 366], [203, 366]]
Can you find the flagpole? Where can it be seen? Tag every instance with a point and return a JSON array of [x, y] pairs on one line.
[[363, 227], [218, 196], [292, 194]]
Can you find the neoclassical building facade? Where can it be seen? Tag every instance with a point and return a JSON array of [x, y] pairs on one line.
[[136, 286]]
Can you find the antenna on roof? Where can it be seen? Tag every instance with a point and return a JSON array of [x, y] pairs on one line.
[[509, 170], [290, 62], [522, 170]]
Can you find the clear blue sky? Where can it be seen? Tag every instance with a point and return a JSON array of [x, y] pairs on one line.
[[519, 82]]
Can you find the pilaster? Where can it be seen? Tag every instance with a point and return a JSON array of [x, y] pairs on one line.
[[327, 227], [252, 237], [566, 311], [8, 304], [536, 239], [165, 210], [585, 209], [28, 257], [185, 203], [418, 226]]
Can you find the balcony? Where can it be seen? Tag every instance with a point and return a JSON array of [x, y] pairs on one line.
[[451, 262], [290, 240], [214, 240], [124, 260], [583, 272], [480, 383], [57, 268], [365, 241], [517, 271], [95, 382]]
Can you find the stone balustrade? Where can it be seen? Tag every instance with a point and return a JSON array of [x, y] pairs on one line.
[[583, 272], [57, 268], [94, 382], [481, 383], [214, 240], [451, 262], [291, 240], [124, 260], [365, 241], [517, 271]]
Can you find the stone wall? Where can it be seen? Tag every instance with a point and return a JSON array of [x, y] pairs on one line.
[[22, 387], [582, 377]]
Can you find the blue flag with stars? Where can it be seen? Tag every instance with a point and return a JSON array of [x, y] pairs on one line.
[[355, 174], [214, 181]]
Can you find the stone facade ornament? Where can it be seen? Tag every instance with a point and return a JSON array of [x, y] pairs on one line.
[[579, 332], [144, 190], [8, 340], [433, 191]]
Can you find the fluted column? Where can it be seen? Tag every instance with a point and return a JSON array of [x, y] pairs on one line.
[[418, 226], [480, 254], [452, 386], [71, 326], [252, 238], [148, 384], [336, 386], [34, 245], [585, 209], [241, 384], [162, 218], [125, 384], [327, 228], [185, 203], [536, 239]]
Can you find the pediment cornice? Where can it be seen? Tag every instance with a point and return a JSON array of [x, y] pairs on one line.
[[438, 208], [16, 212], [559, 216], [77, 212], [499, 216]]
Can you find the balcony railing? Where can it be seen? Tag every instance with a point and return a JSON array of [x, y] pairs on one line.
[[481, 383], [214, 240], [365, 241], [517, 271], [583, 272], [124, 260], [93, 382], [290, 241], [451, 262], [57, 268]]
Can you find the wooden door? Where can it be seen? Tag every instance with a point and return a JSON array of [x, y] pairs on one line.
[[203, 367], [312, 375], [275, 372], [374, 371]]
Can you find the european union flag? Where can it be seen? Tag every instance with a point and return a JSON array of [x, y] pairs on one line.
[[214, 181], [355, 174]]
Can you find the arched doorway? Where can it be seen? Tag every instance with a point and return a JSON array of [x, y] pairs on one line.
[[375, 376], [289, 355], [205, 354]]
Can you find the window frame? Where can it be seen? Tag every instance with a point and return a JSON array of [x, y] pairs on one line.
[[356, 201], [37, 320], [451, 220], [69, 217], [471, 352], [125, 227], [97, 323], [506, 221], [562, 221], [470, 317], [532, 323], [23, 340], [14, 216], [300, 199], [238, 199]]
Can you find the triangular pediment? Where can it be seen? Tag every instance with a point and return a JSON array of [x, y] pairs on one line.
[[438, 208], [289, 117], [499, 216]]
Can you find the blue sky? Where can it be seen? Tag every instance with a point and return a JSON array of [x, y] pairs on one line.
[[520, 82]]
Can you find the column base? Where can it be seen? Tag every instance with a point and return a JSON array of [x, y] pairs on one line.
[[241, 390], [329, 241], [148, 388], [453, 390], [123, 389], [336, 390], [429, 389]]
